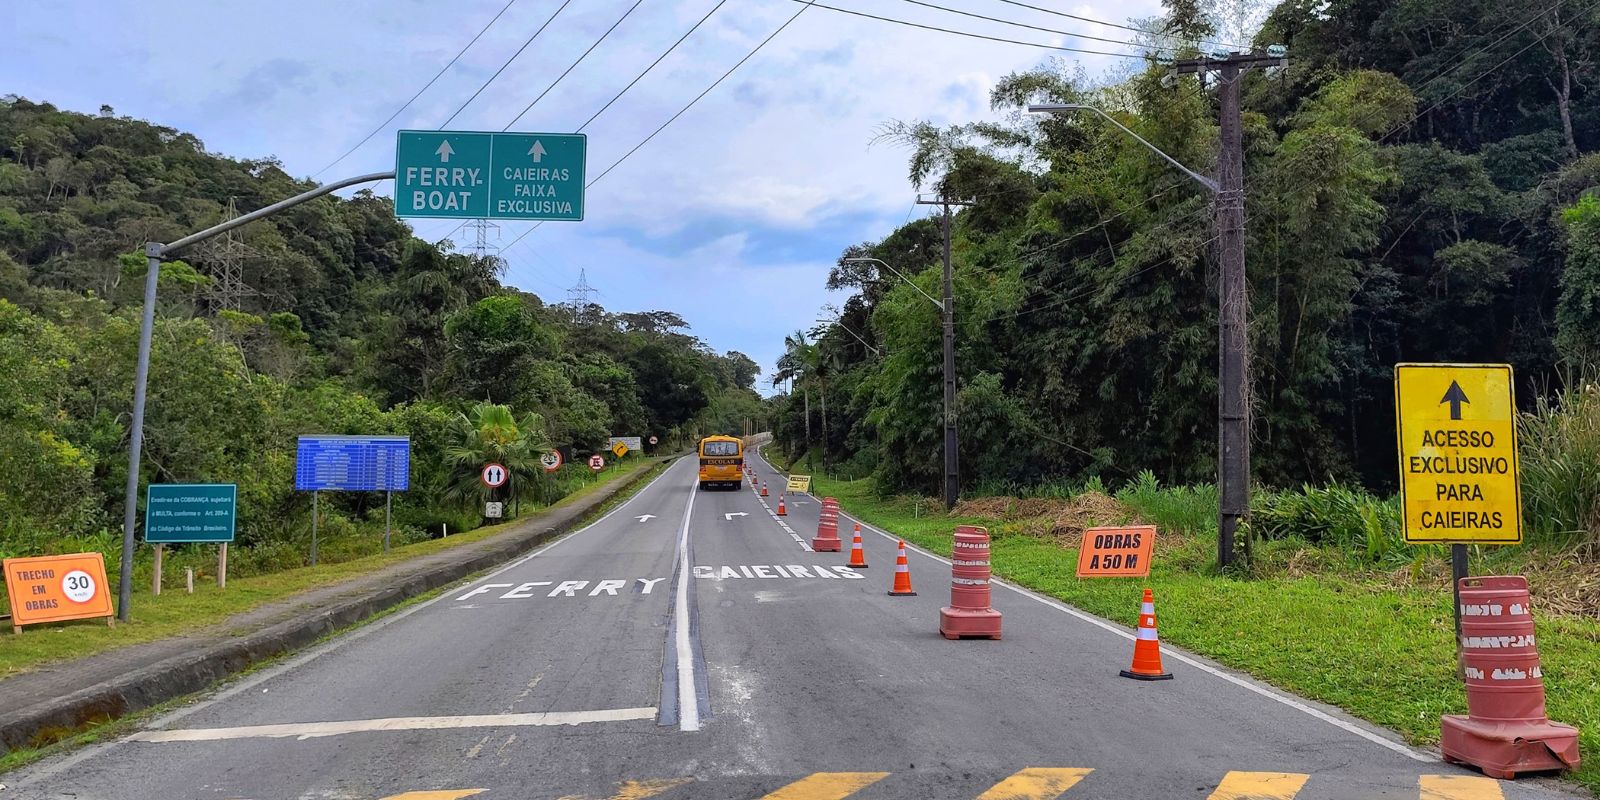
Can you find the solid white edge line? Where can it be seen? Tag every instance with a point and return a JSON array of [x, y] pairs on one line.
[[688, 705], [1168, 650], [1112, 627], [317, 730], [47, 768]]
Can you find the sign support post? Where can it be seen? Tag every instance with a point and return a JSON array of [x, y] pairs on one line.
[[222, 566], [388, 506], [314, 528], [1458, 570], [155, 571]]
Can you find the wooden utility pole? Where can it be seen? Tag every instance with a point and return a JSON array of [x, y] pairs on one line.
[[1233, 351], [952, 474]]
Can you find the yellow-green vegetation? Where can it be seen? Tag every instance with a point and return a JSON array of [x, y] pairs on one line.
[[175, 612], [1375, 641]]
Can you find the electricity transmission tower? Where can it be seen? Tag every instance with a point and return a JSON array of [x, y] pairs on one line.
[[581, 298], [227, 254], [480, 246]]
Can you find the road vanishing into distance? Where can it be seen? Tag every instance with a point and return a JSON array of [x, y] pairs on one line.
[[689, 645]]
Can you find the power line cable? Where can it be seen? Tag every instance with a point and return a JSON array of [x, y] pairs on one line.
[[1020, 24], [1114, 25], [652, 66], [970, 34], [573, 65], [425, 87], [686, 107], [507, 63]]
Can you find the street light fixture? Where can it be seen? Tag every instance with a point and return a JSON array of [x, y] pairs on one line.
[[1058, 108], [897, 274]]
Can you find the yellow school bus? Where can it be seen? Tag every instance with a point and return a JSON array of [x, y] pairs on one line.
[[721, 462]]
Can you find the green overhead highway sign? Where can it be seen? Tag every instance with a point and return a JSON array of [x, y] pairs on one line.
[[473, 175]]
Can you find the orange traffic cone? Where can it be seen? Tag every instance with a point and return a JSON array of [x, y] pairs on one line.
[[1147, 647], [781, 512], [858, 556], [763, 488], [902, 575]]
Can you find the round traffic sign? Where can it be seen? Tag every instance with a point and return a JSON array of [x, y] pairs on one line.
[[597, 463], [494, 476], [78, 586], [551, 460], [652, 440]]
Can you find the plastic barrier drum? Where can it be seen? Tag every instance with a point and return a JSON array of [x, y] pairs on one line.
[[827, 539], [969, 614], [1505, 731]]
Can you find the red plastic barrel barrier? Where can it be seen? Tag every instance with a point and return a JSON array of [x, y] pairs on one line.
[[969, 614]]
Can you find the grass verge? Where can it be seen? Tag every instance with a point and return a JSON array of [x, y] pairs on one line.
[[174, 613], [1384, 653]]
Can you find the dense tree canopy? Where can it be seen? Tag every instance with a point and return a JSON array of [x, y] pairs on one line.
[[348, 324], [1420, 187]]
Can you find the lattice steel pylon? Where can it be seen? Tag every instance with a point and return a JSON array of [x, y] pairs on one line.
[[580, 298], [480, 246], [226, 255]]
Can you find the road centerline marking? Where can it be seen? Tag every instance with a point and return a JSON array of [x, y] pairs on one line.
[[317, 730]]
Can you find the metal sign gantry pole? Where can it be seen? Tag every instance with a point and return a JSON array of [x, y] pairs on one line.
[[155, 251]]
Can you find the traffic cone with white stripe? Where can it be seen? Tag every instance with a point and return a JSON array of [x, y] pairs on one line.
[[858, 556], [781, 512], [902, 575], [1147, 647], [763, 488]]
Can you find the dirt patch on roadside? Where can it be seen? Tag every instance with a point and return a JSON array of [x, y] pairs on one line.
[[1061, 520]]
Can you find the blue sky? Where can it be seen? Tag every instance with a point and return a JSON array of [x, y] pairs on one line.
[[743, 203]]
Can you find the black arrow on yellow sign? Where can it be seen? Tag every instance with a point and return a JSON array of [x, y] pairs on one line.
[[1455, 397]]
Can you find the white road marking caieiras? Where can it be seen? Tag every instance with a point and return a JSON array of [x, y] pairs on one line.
[[316, 730]]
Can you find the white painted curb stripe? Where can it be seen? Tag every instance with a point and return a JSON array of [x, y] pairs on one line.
[[688, 704], [316, 730]]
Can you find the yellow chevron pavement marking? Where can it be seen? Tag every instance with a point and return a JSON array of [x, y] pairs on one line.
[[637, 790], [1459, 787], [827, 786], [1035, 783], [1259, 786], [442, 794]]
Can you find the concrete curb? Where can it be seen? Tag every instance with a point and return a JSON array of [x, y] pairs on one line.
[[52, 719]]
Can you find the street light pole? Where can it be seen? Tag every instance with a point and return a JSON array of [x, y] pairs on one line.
[[154, 252], [1233, 353]]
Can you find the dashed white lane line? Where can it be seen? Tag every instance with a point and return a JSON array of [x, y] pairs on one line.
[[804, 545], [317, 730]]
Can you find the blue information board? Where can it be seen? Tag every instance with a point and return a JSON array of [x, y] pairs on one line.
[[353, 464]]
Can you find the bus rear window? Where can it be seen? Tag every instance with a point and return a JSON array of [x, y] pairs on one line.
[[720, 449]]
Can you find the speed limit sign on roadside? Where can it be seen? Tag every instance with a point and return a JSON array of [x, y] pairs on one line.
[[494, 476], [551, 460], [597, 463]]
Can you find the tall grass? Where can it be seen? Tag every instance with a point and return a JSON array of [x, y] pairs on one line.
[[1189, 510], [1560, 455]]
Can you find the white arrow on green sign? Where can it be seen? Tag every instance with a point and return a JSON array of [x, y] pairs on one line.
[[477, 175]]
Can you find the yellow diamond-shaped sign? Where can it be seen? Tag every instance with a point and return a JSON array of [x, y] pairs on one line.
[[619, 449]]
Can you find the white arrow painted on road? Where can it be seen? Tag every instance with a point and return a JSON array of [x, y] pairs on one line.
[[645, 517], [731, 514], [537, 151], [445, 151]]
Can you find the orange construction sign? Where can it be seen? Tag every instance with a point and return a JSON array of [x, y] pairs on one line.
[[57, 588], [1116, 552]]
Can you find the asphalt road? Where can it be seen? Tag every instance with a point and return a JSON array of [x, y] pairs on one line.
[[688, 645]]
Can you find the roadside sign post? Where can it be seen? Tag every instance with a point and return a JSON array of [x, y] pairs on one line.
[[337, 463], [480, 175], [551, 460], [57, 588], [597, 462], [1459, 482], [1121, 552], [180, 513]]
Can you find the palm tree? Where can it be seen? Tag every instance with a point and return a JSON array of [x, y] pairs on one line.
[[802, 363], [490, 434]]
